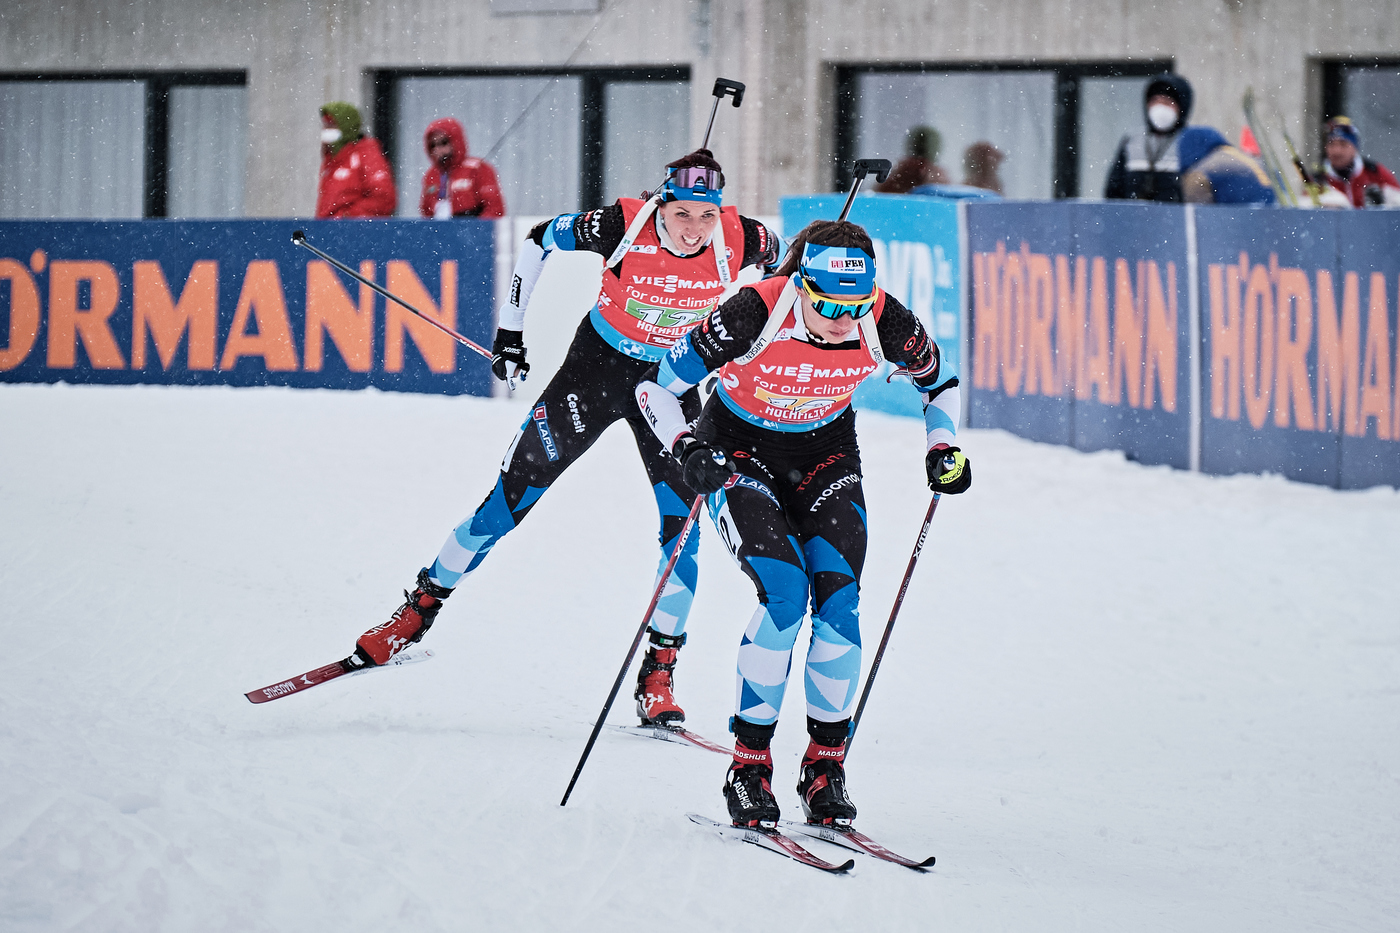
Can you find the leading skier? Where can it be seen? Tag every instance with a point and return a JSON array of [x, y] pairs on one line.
[[775, 453], [668, 260]]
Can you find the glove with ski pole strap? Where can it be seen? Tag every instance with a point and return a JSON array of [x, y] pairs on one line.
[[948, 470], [706, 468], [508, 355]]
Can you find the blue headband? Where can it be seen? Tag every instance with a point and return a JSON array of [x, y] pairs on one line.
[[838, 270]]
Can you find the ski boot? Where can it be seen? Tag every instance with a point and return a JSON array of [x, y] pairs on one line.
[[409, 623], [656, 706], [822, 781], [748, 788]]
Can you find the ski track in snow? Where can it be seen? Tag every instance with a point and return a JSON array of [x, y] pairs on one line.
[[1118, 697]]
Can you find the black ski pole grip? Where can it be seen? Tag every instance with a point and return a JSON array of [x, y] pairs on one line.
[[880, 168], [725, 88]]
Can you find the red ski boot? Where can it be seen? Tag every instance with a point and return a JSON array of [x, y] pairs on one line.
[[409, 623], [656, 706]]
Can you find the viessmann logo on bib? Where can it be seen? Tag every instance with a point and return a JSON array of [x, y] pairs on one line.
[[851, 264]]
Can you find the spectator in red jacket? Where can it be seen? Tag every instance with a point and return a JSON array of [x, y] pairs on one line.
[[355, 177], [1363, 182], [455, 184]]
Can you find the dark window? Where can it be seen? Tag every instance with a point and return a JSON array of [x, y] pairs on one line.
[[1058, 124], [1369, 93], [559, 139], [122, 144]]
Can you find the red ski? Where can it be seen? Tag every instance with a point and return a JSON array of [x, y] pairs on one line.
[[677, 734], [855, 840], [773, 841], [330, 672]]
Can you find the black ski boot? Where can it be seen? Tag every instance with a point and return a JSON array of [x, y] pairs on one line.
[[656, 706], [748, 788], [822, 784]]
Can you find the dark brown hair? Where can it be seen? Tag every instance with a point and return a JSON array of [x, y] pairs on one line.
[[825, 233]]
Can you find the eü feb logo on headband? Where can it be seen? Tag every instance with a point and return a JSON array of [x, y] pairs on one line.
[[838, 270]]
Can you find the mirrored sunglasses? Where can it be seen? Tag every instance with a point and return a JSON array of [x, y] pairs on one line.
[[833, 308]]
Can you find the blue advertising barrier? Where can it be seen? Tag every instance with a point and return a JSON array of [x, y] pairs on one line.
[[1299, 344], [916, 261], [236, 303], [1085, 331], [1080, 331]]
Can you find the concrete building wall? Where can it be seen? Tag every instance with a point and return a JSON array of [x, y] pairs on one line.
[[299, 54]]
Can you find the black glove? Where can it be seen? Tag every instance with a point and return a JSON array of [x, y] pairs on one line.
[[704, 467], [948, 470], [508, 350]]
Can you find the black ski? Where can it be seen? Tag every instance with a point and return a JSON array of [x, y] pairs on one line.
[[773, 841]]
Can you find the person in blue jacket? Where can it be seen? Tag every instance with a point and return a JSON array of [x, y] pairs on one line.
[[1215, 172]]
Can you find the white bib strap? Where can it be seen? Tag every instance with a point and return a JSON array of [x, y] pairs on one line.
[[721, 261], [871, 336], [786, 299], [633, 230]]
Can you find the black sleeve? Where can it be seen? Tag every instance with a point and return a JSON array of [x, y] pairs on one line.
[[760, 244], [597, 231], [906, 342], [730, 330]]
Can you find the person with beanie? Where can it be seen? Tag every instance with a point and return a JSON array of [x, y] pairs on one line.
[[355, 177], [1148, 165], [1362, 181], [920, 164]]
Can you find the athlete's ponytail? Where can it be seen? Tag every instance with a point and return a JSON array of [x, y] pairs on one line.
[[825, 233]]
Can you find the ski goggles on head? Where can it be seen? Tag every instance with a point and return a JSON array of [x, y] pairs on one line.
[[831, 307], [694, 184]]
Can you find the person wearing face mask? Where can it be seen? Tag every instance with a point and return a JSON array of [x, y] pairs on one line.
[[775, 454], [355, 177], [1148, 164], [456, 184], [668, 258]]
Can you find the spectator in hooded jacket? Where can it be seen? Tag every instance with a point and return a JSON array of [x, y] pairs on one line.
[[1215, 172], [455, 184], [355, 178], [1362, 181], [1148, 166]]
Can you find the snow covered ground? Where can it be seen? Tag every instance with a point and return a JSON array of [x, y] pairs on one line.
[[1118, 697]]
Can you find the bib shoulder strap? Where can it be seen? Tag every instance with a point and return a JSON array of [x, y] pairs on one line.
[[634, 229], [786, 299]]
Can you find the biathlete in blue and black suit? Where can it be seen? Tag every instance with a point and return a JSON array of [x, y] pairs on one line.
[[668, 260], [775, 453]]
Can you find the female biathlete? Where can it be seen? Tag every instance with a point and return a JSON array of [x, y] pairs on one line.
[[775, 453], [669, 258]]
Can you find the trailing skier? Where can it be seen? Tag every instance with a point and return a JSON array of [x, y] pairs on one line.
[[668, 260], [775, 454]]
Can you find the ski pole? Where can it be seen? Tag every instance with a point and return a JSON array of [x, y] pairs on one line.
[[889, 626], [723, 88], [299, 238], [880, 168], [636, 640]]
